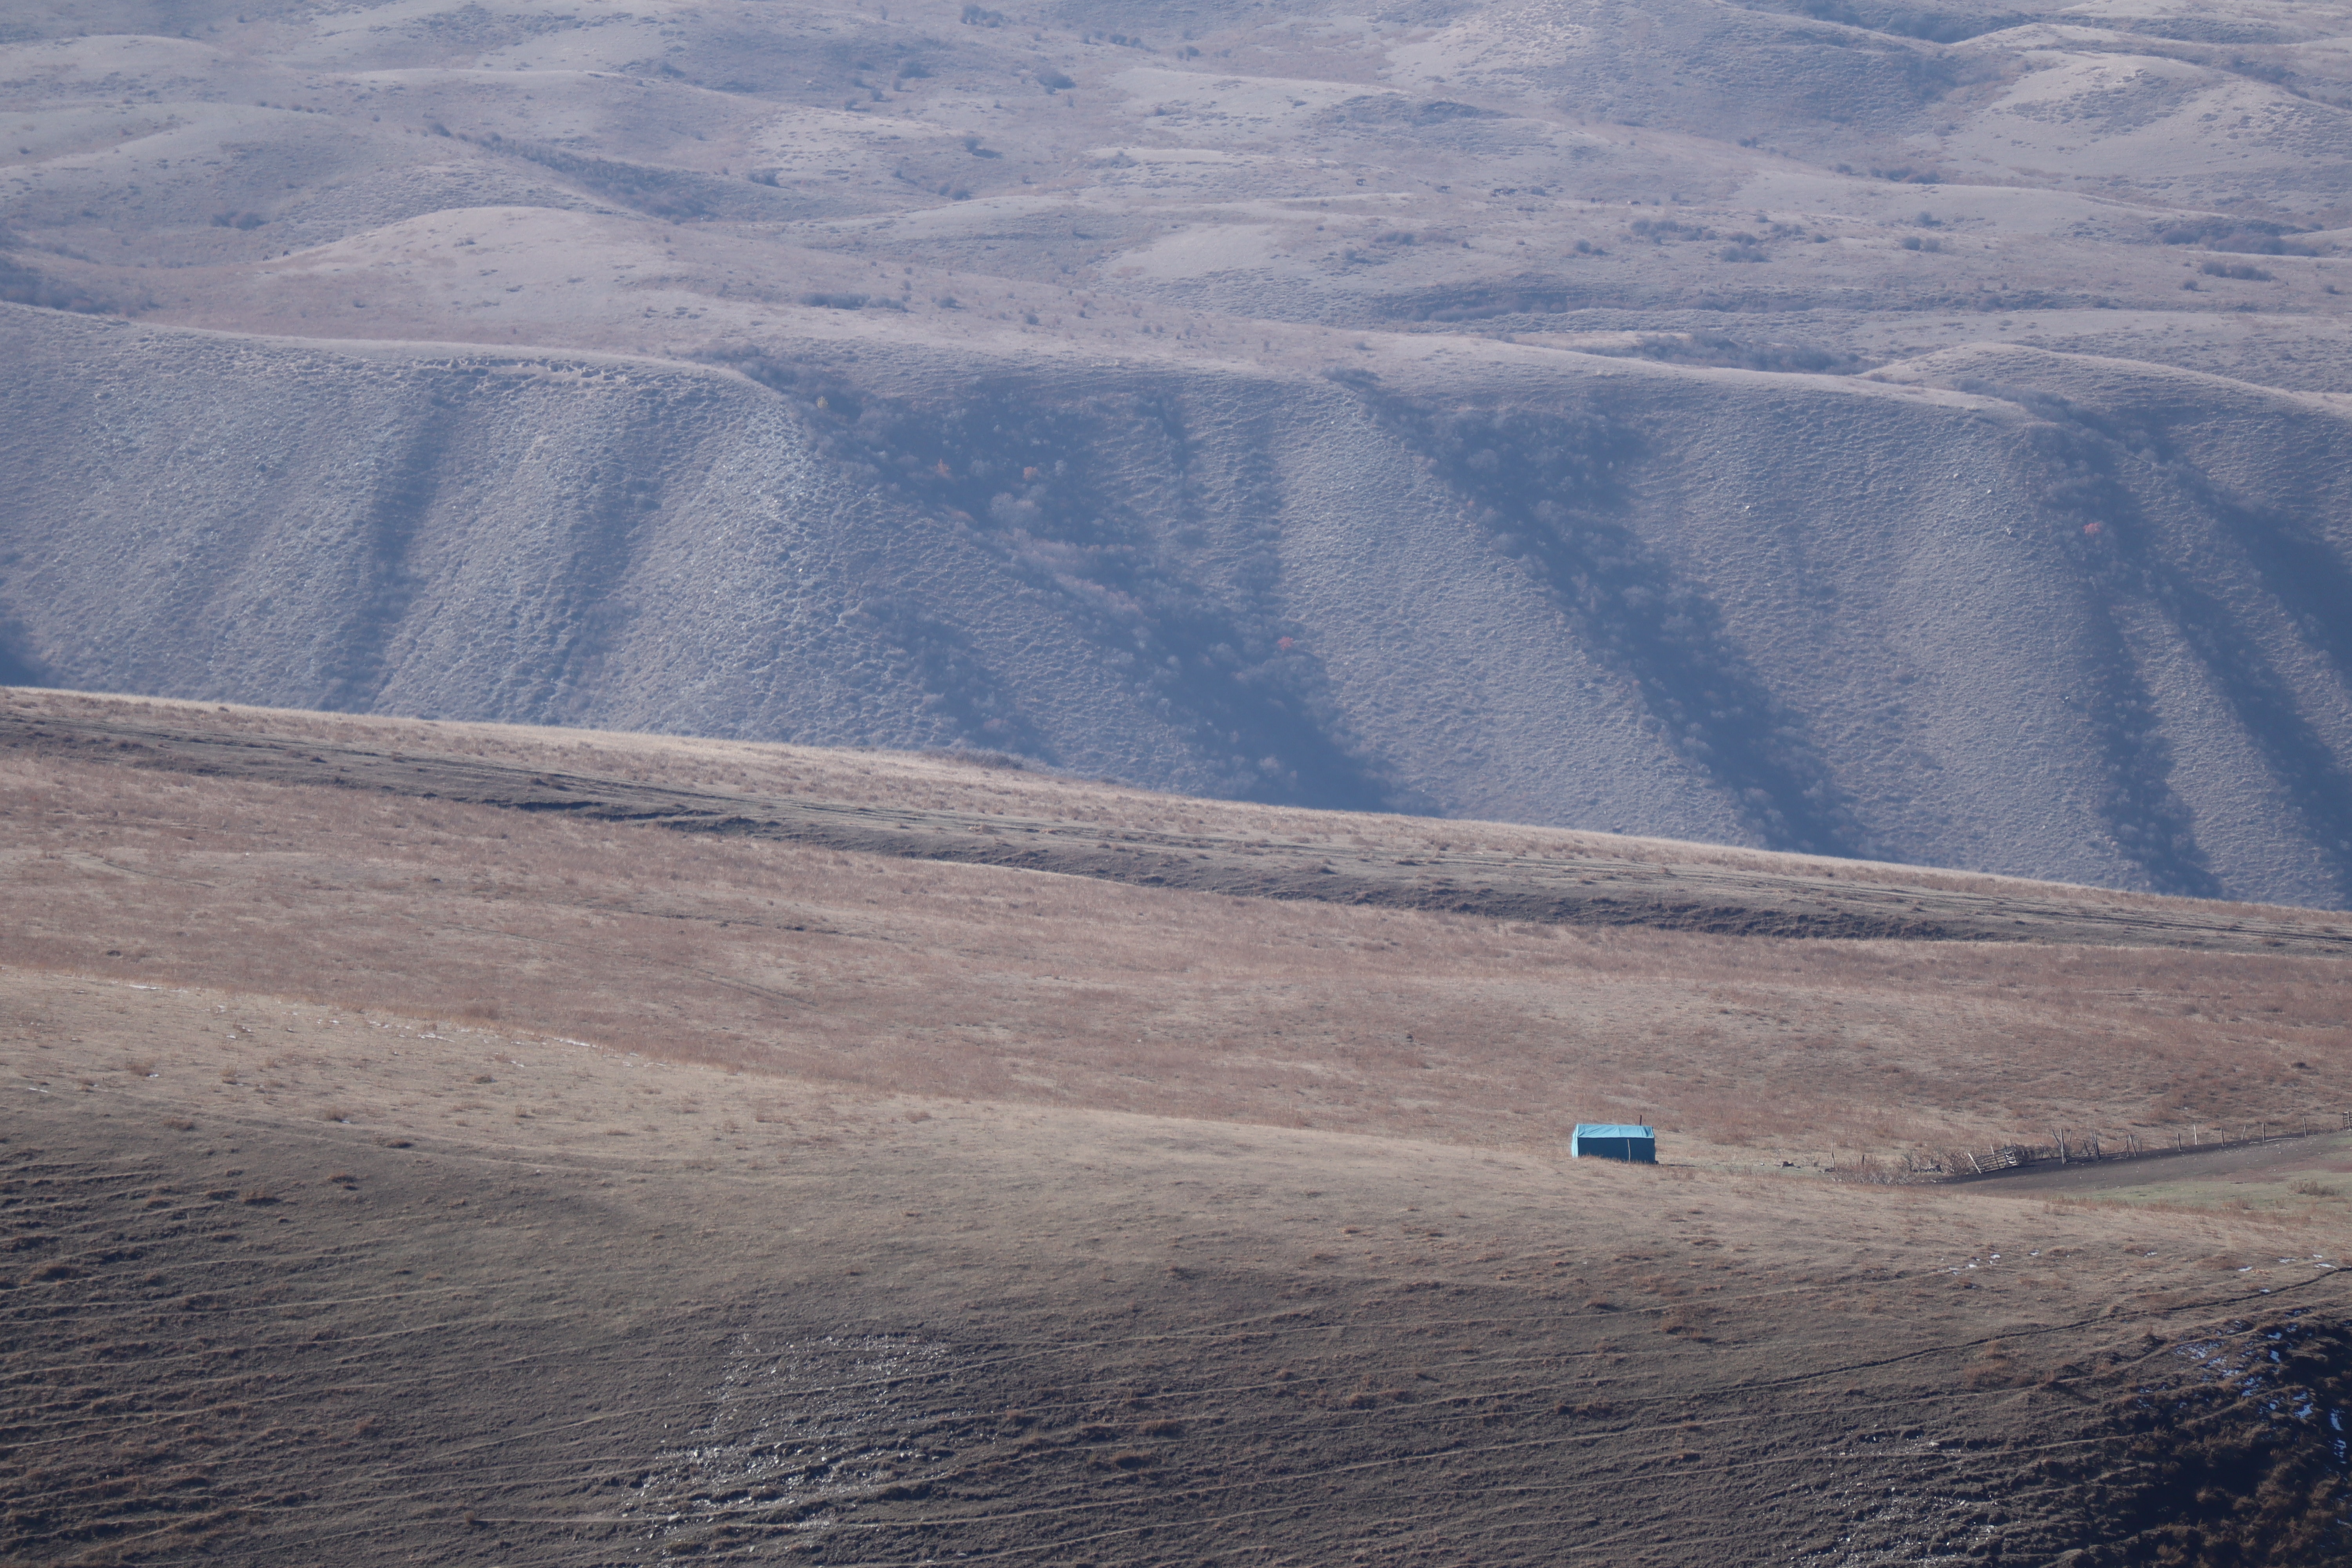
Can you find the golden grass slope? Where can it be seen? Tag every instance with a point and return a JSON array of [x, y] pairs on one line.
[[950, 980]]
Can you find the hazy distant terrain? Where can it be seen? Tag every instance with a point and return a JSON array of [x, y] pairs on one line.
[[1915, 431]]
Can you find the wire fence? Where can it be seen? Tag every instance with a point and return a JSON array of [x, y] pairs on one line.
[[2070, 1146]]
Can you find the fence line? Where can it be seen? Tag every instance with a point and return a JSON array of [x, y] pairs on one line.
[[2069, 1146]]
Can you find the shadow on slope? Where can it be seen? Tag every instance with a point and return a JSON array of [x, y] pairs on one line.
[[1157, 543], [22, 283], [17, 668], [1547, 488], [2130, 560], [2222, 1449], [1935, 24]]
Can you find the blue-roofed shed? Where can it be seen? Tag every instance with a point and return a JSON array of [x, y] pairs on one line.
[[1604, 1141]]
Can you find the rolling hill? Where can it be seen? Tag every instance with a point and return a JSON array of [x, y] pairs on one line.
[[718, 1150], [1903, 432]]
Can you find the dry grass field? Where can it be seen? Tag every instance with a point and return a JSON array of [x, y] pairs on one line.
[[393, 1179], [892, 972]]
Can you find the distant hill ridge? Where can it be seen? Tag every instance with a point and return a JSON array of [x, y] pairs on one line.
[[2006, 609], [1897, 430]]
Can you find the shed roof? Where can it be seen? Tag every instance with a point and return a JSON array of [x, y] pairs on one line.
[[1606, 1130]]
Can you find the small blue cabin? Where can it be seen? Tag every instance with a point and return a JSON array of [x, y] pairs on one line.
[[1638, 1144]]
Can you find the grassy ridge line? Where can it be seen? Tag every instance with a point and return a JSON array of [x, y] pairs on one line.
[[1590, 890]]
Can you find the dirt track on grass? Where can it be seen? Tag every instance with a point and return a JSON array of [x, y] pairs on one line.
[[2173, 1166], [1590, 889]]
